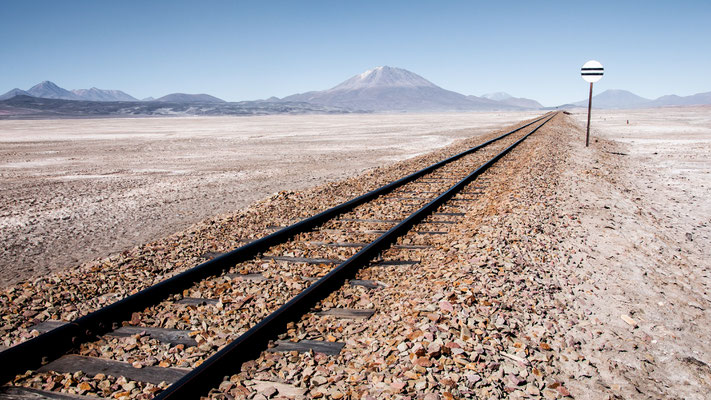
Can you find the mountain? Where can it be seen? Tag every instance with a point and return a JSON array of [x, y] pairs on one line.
[[615, 98], [506, 98], [674, 100], [48, 90], [189, 98], [150, 98], [522, 102], [394, 89], [95, 94], [12, 93], [497, 96]]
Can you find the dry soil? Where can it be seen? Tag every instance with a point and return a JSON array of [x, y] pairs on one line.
[[78, 190], [642, 288]]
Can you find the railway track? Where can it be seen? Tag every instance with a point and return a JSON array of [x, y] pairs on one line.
[[294, 268]]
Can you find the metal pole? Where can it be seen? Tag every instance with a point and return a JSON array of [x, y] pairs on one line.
[[587, 135]]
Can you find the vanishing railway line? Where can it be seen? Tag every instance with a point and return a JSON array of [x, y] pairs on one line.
[[294, 267]]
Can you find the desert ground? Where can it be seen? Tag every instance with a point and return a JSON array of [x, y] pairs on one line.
[[75, 190], [581, 272], [642, 289]]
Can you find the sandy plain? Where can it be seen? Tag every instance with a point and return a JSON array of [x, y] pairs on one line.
[[78, 190], [641, 293]]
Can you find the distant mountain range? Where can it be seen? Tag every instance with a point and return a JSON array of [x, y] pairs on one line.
[[615, 98], [506, 98], [395, 89], [381, 89], [49, 90], [188, 98]]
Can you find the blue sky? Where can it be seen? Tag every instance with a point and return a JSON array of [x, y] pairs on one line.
[[239, 50]]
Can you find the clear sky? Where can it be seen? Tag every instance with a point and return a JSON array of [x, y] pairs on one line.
[[245, 50]]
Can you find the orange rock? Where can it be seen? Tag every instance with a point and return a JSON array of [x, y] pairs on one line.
[[423, 362]]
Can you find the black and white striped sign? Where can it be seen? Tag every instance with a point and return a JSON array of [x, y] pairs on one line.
[[592, 71]]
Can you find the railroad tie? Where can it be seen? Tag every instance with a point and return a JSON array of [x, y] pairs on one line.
[[172, 336], [23, 393], [305, 346], [396, 262], [336, 244], [196, 301], [378, 221], [94, 366], [366, 283], [397, 246], [48, 325], [303, 260], [347, 313], [353, 282], [411, 246], [254, 277], [408, 198]]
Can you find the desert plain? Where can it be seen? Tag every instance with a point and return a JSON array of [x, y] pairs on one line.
[[624, 306], [641, 191], [75, 190]]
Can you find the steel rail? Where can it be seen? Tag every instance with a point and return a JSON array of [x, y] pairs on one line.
[[51, 345], [250, 344]]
